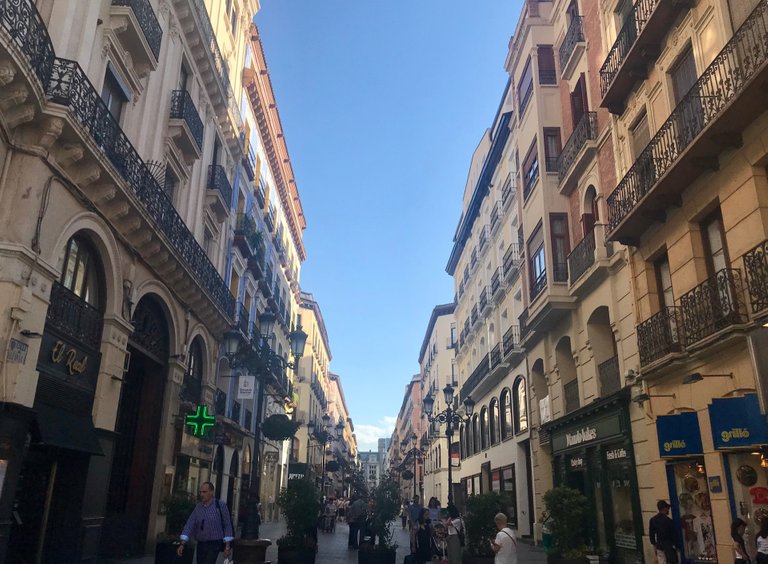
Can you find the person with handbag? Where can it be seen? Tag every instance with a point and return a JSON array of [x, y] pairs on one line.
[[210, 523], [661, 531], [456, 535]]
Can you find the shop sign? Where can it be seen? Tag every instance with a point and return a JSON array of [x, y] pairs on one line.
[[679, 435], [576, 463], [68, 360], [596, 430], [715, 484], [616, 454], [297, 471], [737, 422], [246, 387]]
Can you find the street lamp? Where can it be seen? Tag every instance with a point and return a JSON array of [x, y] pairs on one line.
[[328, 439], [451, 418], [415, 451]]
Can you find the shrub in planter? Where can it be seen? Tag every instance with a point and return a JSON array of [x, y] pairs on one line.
[[385, 506], [481, 527], [300, 504], [178, 507], [279, 427], [332, 466], [566, 510]]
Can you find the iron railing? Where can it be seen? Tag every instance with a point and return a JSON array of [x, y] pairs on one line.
[[550, 164], [571, 396], [260, 192], [474, 316], [496, 356], [473, 258], [585, 130], [217, 180], [547, 76], [740, 60], [511, 339], [242, 318], [461, 288], [483, 299], [71, 315], [248, 419], [633, 26], [713, 305], [148, 23], [246, 228], [184, 109], [610, 378], [538, 284], [480, 372], [483, 239], [26, 29], [495, 215], [660, 335], [219, 63], [220, 403], [756, 268], [511, 258], [508, 190], [573, 36], [496, 281], [560, 271], [523, 319], [582, 256], [69, 86]]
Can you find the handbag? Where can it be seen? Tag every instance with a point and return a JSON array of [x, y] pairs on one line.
[[228, 561]]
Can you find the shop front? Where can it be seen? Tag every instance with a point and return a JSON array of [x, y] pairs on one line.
[[680, 447], [592, 452]]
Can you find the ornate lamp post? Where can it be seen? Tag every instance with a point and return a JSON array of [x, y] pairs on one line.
[[415, 451], [450, 418]]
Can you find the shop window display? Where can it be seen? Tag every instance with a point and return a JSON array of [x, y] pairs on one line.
[[750, 491], [695, 511], [620, 482]]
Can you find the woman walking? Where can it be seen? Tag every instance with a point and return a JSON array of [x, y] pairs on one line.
[[434, 510], [423, 543], [504, 546], [740, 555], [455, 527]]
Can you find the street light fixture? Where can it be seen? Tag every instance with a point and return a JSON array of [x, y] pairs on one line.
[[327, 441], [450, 417], [415, 451]]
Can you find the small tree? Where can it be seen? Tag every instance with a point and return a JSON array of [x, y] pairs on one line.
[[300, 503], [386, 506], [178, 508], [567, 509], [479, 521]]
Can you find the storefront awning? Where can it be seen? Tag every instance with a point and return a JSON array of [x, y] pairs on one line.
[[64, 429], [737, 422], [679, 435]]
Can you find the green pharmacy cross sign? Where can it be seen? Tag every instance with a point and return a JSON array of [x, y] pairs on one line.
[[199, 420]]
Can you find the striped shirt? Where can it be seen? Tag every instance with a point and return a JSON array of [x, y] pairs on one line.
[[204, 524]]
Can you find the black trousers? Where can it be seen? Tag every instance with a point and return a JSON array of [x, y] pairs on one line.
[[208, 551], [354, 529]]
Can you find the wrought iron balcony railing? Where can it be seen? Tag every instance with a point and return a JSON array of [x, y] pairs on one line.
[[495, 216], [148, 23], [585, 130], [69, 86], [480, 372], [496, 281], [538, 284], [713, 305], [511, 259], [219, 63], [72, 316], [483, 239], [260, 192], [573, 36], [242, 318], [550, 164], [724, 80], [247, 235], [582, 256], [217, 180], [610, 378], [248, 423], [560, 271], [496, 355], [461, 288], [511, 339], [473, 315], [508, 190], [523, 319], [547, 76], [26, 29], [191, 388], [473, 258], [483, 299], [184, 109], [660, 335], [756, 269]]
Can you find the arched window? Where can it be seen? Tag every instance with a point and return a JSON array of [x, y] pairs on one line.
[[506, 414], [484, 427], [82, 271], [476, 444], [193, 377], [521, 405], [493, 421]]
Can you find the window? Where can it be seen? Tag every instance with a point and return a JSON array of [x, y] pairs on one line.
[[193, 377], [537, 264], [521, 406], [233, 21], [525, 86], [484, 428], [683, 75], [208, 242], [714, 243], [530, 169], [639, 134], [183, 77], [506, 414], [664, 282], [579, 105], [476, 444], [558, 224], [547, 72], [493, 421], [81, 274], [113, 93], [552, 147], [462, 442], [170, 183]]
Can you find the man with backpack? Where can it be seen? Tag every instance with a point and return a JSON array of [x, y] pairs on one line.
[[210, 523]]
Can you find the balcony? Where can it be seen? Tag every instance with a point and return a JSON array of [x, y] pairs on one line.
[[191, 389], [260, 193], [495, 217], [249, 162], [572, 47], [461, 289], [265, 284], [242, 318], [496, 356], [247, 236], [474, 317], [511, 341], [269, 218], [480, 372], [136, 26], [577, 153], [712, 306], [473, 258], [609, 376], [508, 192], [582, 256], [497, 289], [73, 317], [485, 306], [483, 239], [550, 164], [756, 269], [185, 126], [248, 424], [235, 414], [659, 335], [709, 118], [219, 190], [512, 261], [636, 46]]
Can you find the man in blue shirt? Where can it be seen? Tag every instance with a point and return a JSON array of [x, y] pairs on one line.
[[211, 525], [414, 512]]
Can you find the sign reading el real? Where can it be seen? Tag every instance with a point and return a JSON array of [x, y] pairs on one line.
[[737, 422], [73, 362], [589, 431], [679, 435]]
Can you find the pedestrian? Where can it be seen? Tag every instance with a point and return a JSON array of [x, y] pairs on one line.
[[740, 555], [434, 509], [661, 531], [504, 546], [404, 513], [423, 546], [210, 523], [455, 525], [355, 518], [414, 512], [762, 543]]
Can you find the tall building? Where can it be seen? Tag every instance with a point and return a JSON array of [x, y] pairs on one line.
[[121, 138], [408, 442]]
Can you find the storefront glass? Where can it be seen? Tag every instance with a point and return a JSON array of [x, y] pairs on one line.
[[749, 482], [620, 484], [694, 510]]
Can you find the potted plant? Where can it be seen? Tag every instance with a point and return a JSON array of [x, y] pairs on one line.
[[566, 510], [178, 508], [300, 504], [279, 427], [383, 508], [480, 526]]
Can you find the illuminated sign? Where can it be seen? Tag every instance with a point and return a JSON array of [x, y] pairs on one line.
[[200, 420]]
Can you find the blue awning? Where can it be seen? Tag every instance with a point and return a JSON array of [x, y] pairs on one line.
[[737, 422], [679, 435]]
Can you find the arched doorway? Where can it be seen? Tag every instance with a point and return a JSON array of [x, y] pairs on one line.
[[138, 420]]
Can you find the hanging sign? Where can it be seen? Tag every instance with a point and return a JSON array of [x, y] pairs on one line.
[[246, 387], [678, 434], [200, 420], [737, 422]]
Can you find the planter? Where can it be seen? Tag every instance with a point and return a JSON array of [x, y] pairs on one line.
[[471, 559], [165, 553], [295, 555], [377, 556]]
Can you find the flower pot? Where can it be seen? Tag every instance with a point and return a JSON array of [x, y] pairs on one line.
[[295, 555], [376, 556]]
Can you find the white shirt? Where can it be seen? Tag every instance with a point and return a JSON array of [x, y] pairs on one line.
[[454, 526], [507, 554], [762, 545]]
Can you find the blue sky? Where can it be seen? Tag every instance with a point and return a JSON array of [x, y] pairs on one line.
[[382, 105]]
